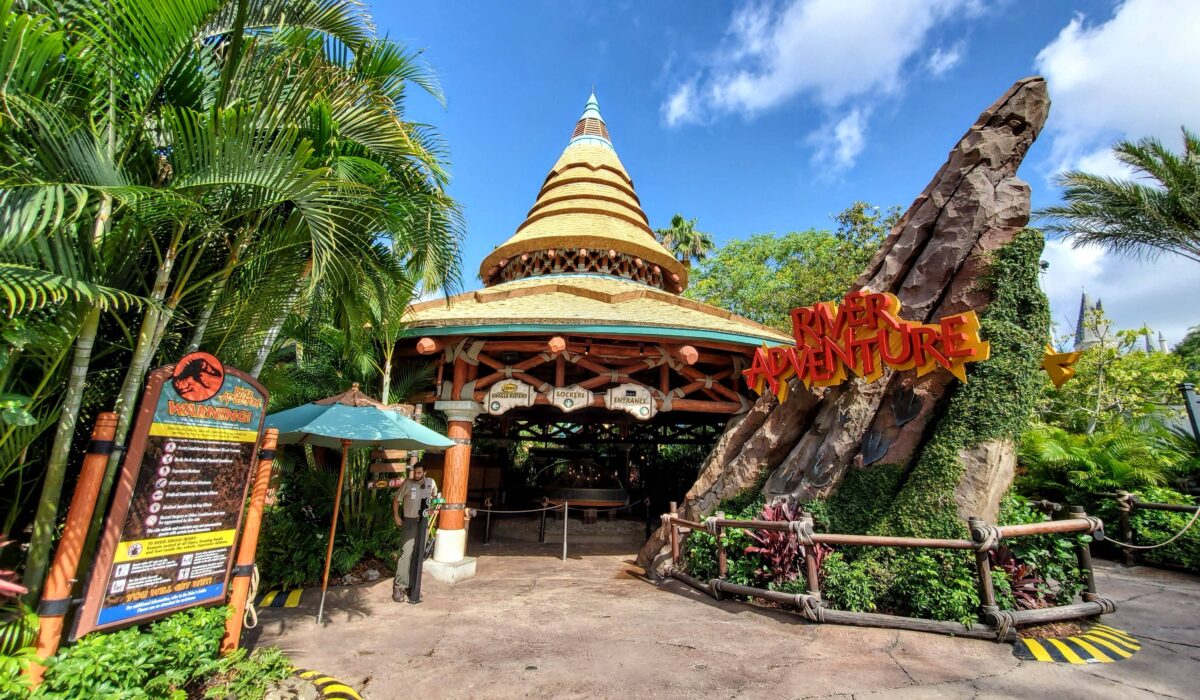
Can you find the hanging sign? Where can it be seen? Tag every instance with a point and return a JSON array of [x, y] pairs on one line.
[[631, 398], [509, 393], [864, 333], [168, 541], [570, 398]]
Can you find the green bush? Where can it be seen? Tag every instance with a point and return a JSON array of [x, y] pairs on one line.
[[157, 661], [177, 657], [292, 545], [1151, 527]]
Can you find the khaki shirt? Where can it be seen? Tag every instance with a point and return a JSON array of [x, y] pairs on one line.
[[411, 493]]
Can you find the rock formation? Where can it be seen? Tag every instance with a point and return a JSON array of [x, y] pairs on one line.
[[932, 261]]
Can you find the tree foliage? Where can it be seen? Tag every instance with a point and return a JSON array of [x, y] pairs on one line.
[[767, 275], [1140, 219], [684, 241], [230, 175]]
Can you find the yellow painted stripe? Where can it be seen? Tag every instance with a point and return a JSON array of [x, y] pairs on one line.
[[338, 688], [1123, 653], [324, 680], [1095, 653], [266, 601], [309, 674], [201, 432], [1035, 648], [1119, 634], [293, 598], [1067, 652], [1131, 646]]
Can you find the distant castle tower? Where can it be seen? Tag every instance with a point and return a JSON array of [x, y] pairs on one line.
[[1085, 336]]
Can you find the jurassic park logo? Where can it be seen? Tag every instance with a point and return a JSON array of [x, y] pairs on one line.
[[861, 336]]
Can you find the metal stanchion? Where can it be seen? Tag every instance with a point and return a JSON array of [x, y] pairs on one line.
[[487, 526], [418, 559], [566, 519]]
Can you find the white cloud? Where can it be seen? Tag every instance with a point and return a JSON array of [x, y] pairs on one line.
[[1133, 292], [829, 49], [1131, 76], [1128, 76], [677, 110], [837, 145], [942, 60]]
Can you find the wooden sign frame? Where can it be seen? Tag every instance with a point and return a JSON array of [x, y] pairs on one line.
[[91, 614]]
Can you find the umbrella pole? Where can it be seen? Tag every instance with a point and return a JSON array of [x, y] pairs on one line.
[[337, 503]]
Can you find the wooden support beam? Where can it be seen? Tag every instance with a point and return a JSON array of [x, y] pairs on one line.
[[428, 346], [560, 370]]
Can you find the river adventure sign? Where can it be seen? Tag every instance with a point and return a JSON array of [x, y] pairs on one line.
[[864, 334], [168, 540]]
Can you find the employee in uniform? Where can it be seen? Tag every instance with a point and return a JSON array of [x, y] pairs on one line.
[[406, 511]]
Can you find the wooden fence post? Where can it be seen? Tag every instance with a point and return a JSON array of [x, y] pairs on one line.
[[56, 596], [239, 589]]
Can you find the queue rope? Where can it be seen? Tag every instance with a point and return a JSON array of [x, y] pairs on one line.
[[558, 507], [1179, 534], [531, 510], [250, 619]]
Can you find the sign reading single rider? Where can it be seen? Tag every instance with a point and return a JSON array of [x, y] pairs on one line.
[[168, 541]]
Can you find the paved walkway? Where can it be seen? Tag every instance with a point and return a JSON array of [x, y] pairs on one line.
[[530, 625]]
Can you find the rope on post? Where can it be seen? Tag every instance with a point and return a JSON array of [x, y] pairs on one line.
[[802, 530], [986, 536]]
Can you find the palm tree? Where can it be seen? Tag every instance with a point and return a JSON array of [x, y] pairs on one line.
[[191, 139], [1140, 219], [684, 241]]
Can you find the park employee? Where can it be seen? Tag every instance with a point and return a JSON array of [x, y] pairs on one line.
[[406, 511]]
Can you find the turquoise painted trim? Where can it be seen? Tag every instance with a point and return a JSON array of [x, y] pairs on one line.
[[591, 329]]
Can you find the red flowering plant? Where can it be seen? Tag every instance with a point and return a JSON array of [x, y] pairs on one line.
[[781, 553], [1028, 588], [9, 588]]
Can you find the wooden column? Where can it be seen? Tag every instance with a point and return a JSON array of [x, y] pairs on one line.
[[451, 541]]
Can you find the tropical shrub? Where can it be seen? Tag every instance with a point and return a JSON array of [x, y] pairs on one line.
[[292, 545], [177, 657], [1152, 527]]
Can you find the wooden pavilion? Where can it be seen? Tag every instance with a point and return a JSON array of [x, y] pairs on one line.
[[580, 332]]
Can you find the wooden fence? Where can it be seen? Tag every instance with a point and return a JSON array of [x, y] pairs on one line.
[[997, 624]]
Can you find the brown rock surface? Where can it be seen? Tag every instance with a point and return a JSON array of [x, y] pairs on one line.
[[931, 261]]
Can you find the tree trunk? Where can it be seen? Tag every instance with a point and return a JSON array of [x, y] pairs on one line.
[[385, 391], [264, 350], [56, 466], [123, 406]]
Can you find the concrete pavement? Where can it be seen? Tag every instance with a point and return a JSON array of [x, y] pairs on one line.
[[530, 625]]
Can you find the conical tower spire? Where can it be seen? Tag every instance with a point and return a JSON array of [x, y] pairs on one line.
[[587, 220], [1085, 334], [591, 127]]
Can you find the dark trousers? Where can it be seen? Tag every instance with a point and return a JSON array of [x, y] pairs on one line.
[[408, 545]]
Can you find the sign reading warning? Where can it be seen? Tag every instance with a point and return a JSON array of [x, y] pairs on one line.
[[168, 541]]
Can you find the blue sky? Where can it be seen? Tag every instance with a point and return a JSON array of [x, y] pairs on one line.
[[773, 116]]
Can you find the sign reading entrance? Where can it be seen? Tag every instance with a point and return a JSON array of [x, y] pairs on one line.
[[631, 398], [509, 393], [863, 334], [570, 398], [168, 542]]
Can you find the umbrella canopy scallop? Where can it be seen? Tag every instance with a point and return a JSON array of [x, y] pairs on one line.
[[356, 419]]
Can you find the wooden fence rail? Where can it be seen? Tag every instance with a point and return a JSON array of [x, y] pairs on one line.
[[1127, 503], [997, 624]]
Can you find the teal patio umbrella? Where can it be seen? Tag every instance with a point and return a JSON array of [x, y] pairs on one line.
[[351, 419]]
